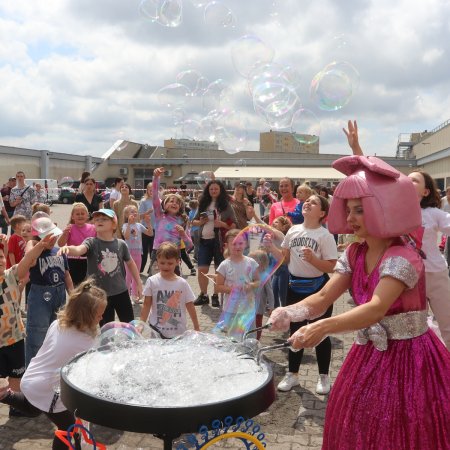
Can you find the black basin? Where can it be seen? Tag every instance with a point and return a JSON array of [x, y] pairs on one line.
[[165, 421]]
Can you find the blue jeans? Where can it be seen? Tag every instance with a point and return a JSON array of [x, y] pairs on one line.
[[43, 304], [280, 283]]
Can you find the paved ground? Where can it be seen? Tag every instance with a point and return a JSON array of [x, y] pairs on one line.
[[293, 422]]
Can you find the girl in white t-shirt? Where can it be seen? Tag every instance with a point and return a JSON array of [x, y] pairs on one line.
[[311, 253], [434, 221], [72, 333]]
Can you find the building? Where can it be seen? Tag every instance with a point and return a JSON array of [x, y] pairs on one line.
[[284, 142], [43, 163]]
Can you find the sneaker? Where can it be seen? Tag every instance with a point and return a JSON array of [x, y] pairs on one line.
[[215, 301], [288, 382], [202, 299], [323, 385], [193, 272]]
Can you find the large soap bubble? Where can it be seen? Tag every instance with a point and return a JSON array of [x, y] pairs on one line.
[[231, 131], [305, 127], [204, 177], [173, 95], [332, 88], [217, 14], [170, 13], [249, 52], [43, 225], [149, 9], [189, 78], [116, 333]]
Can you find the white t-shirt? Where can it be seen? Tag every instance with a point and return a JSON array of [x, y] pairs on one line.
[[42, 375], [114, 195], [319, 240], [208, 228], [169, 298], [434, 220], [238, 274]]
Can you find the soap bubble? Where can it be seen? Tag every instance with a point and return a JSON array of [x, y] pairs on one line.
[[215, 94], [178, 116], [242, 304], [305, 127], [149, 9], [218, 14], [199, 3], [203, 178], [144, 329], [190, 129], [189, 78], [231, 131], [66, 181], [201, 86], [332, 88], [170, 13], [173, 95], [115, 333], [248, 52]]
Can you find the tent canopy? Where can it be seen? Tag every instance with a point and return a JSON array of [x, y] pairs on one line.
[[276, 173]]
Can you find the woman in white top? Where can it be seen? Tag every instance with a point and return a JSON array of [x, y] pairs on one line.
[[72, 333]]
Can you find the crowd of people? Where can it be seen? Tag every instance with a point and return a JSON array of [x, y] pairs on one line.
[[392, 391]]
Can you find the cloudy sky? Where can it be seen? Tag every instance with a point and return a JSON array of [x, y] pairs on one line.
[[77, 75]]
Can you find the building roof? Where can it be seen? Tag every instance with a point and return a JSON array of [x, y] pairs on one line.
[[275, 173]]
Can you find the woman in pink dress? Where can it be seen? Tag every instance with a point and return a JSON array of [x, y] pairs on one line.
[[393, 390]]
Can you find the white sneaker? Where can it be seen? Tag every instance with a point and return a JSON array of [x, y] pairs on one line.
[[323, 384], [288, 382]]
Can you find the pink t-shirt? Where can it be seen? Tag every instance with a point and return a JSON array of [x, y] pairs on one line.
[[78, 234], [281, 208]]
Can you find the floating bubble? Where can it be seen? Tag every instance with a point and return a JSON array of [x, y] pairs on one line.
[[203, 178], [242, 304], [215, 94], [332, 88], [248, 52], [231, 132], [305, 127], [199, 3], [178, 115], [66, 181], [144, 329], [218, 14], [173, 95], [201, 86], [170, 13], [190, 129], [189, 78], [115, 333], [149, 9]]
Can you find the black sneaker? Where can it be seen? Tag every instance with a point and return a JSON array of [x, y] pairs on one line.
[[13, 412], [202, 299], [215, 301]]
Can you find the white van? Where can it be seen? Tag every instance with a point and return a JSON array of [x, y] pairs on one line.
[[49, 185]]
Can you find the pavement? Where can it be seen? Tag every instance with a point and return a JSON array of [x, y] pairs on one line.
[[293, 422]]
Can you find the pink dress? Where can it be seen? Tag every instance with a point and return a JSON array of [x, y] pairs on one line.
[[393, 390]]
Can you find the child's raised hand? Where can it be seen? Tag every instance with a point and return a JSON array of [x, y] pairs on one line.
[[67, 229], [3, 240], [64, 250], [49, 241], [158, 171]]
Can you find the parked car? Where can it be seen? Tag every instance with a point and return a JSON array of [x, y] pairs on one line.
[[67, 195]]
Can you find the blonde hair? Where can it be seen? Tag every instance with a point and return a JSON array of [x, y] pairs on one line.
[[261, 257], [81, 308], [126, 212], [168, 250], [80, 206], [40, 207], [305, 187]]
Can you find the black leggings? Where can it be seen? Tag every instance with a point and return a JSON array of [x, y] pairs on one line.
[[185, 257], [147, 247], [62, 419], [323, 350], [120, 304]]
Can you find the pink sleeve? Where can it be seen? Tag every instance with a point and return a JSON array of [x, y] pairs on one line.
[[272, 213]]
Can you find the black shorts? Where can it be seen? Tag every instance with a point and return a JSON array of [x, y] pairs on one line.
[[12, 360]]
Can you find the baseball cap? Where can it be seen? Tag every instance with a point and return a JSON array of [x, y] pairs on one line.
[[42, 225], [106, 212]]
